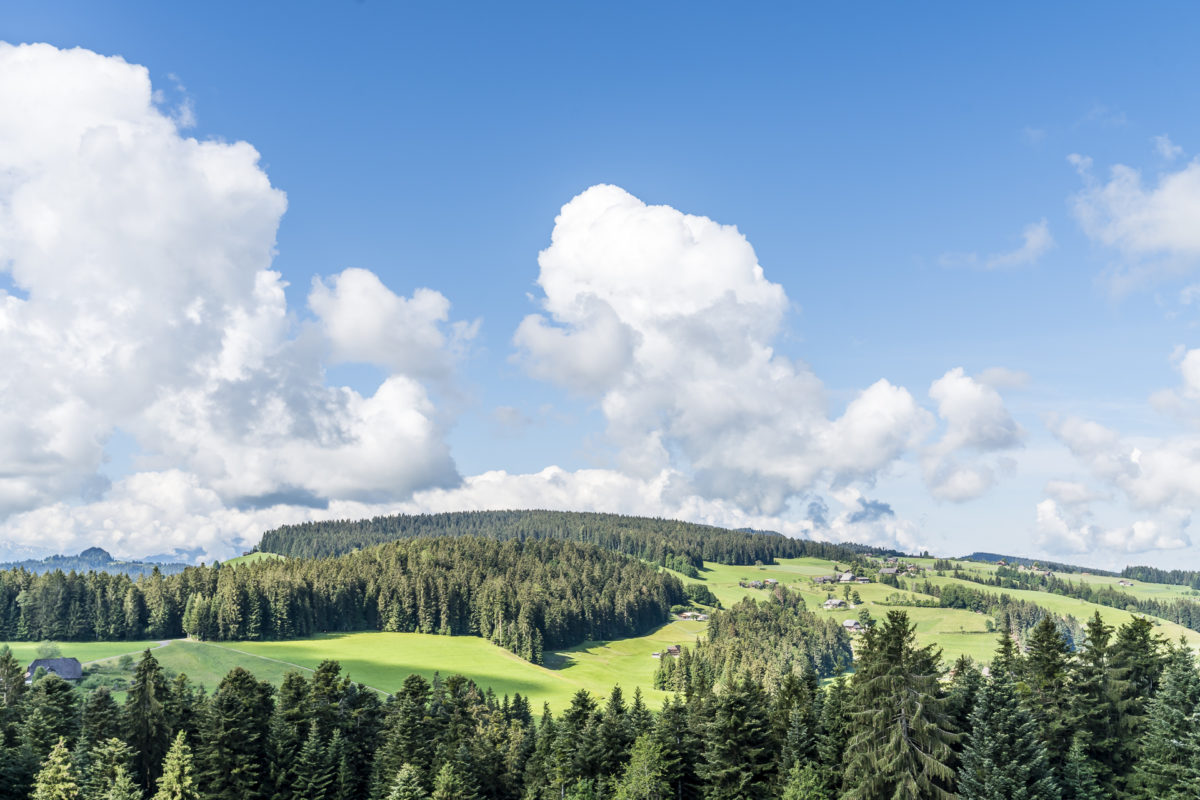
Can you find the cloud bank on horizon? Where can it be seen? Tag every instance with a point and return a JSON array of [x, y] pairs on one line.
[[144, 303]]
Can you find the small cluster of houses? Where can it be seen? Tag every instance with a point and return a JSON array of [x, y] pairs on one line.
[[673, 650], [694, 615], [765, 583], [844, 577]]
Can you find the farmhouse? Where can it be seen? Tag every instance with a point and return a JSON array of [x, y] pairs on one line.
[[852, 625], [846, 577], [822, 579], [833, 603], [888, 571], [673, 650], [68, 669], [1125, 583]]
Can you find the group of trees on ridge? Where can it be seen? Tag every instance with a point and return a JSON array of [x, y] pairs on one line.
[[763, 641], [657, 541], [523, 595], [1117, 720]]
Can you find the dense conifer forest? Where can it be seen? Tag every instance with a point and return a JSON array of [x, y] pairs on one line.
[[659, 541], [1118, 718], [522, 595]]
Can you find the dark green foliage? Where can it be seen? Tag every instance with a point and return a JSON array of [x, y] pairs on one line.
[[146, 716], [900, 745], [738, 762], [1170, 756], [801, 642], [233, 757], [1004, 758], [1045, 692], [653, 540]]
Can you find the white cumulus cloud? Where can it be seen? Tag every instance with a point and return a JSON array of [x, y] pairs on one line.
[[668, 321], [144, 299]]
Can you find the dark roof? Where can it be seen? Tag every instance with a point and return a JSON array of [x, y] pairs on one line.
[[66, 668]]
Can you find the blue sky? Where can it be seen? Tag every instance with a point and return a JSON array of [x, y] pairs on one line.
[[884, 162]]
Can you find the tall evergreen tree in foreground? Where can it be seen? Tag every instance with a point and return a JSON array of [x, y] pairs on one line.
[[56, 779], [737, 760], [1004, 758], [1045, 691], [900, 747], [407, 785], [147, 718], [1170, 759], [178, 774]]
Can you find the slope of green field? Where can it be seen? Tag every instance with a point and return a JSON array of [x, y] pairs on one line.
[[383, 660], [25, 652]]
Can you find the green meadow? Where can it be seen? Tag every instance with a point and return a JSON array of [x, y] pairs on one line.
[[383, 660]]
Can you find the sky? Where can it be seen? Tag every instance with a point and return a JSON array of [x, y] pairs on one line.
[[924, 277]]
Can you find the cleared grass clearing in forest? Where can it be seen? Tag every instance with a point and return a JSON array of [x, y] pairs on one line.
[[26, 652], [250, 559]]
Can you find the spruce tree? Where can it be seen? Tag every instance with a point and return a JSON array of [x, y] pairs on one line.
[[644, 777], [313, 772], [56, 780], [449, 784], [1170, 757], [1094, 712], [12, 681], [234, 751], [146, 717], [1003, 758], [407, 785], [901, 744], [737, 761], [1081, 780], [104, 762], [1045, 691], [1136, 660], [178, 774], [805, 782], [123, 787]]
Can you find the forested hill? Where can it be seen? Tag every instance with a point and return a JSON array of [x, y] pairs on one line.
[[1055, 566], [659, 541], [523, 596], [93, 559]]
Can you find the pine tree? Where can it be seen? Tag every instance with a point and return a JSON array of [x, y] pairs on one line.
[[1080, 776], [234, 751], [407, 785], [178, 775], [900, 748], [451, 785], [12, 681], [104, 762], [1170, 756], [1093, 710], [737, 761], [1045, 691], [1003, 758], [123, 787], [644, 777], [146, 717], [313, 773], [805, 782], [1136, 660], [56, 779]]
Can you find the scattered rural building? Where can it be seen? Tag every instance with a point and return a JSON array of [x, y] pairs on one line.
[[852, 625], [770, 581], [889, 571], [673, 650], [656, 655], [823, 579], [833, 603], [1125, 583], [861, 579], [689, 615], [68, 669], [846, 577]]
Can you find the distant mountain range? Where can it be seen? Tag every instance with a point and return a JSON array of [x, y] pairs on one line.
[[94, 559]]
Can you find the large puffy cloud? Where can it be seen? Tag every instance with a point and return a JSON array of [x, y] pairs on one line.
[[961, 465], [143, 299], [668, 321]]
